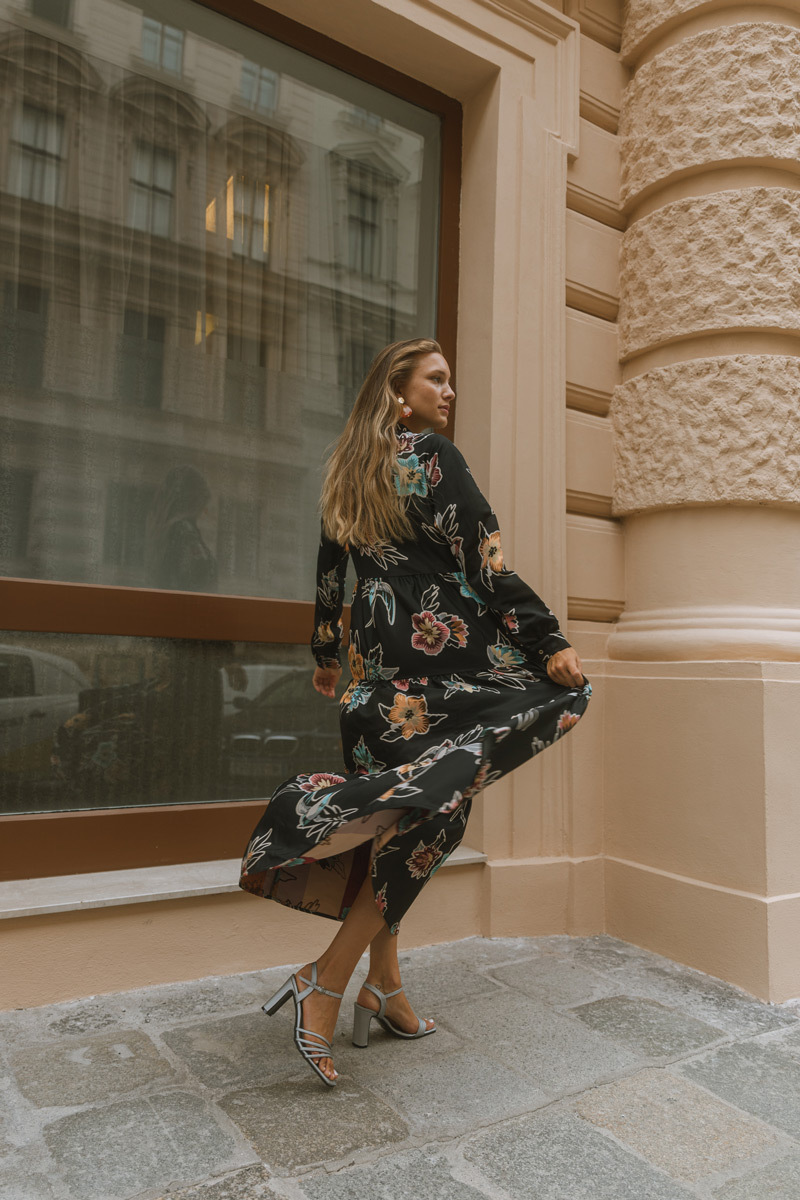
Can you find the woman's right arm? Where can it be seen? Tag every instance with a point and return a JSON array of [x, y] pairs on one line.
[[331, 570]]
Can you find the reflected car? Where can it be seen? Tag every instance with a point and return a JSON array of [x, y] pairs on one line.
[[38, 692], [287, 729]]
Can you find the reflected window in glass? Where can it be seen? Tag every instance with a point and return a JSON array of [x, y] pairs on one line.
[[36, 162], [56, 11], [162, 45], [259, 86]]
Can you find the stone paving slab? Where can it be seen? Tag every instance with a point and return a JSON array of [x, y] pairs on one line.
[[702, 996], [117, 1151], [557, 1052], [462, 1091], [252, 1183], [295, 1125], [555, 981], [778, 1181], [757, 1078], [248, 1050], [411, 1174], [645, 1026], [557, 1156], [36, 1187], [677, 1126], [88, 1070]]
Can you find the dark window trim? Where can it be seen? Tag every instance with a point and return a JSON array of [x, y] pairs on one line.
[[117, 839]]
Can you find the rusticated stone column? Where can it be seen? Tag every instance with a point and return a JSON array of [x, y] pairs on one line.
[[707, 418], [703, 699]]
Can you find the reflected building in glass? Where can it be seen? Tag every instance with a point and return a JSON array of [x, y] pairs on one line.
[[205, 237], [201, 252]]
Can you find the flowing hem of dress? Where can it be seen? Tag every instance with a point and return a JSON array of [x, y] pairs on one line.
[[327, 883]]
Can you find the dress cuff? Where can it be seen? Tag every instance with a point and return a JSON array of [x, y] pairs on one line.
[[547, 647]]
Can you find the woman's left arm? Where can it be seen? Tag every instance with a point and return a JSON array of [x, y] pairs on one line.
[[467, 520], [327, 636]]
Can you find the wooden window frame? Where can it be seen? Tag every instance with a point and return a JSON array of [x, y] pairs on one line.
[[45, 844]]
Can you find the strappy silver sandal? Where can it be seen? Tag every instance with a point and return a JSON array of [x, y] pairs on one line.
[[310, 1049], [362, 1017]]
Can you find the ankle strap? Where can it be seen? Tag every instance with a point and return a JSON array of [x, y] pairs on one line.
[[382, 996], [312, 983]]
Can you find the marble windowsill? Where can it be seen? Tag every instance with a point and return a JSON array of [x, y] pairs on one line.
[[103, 889]]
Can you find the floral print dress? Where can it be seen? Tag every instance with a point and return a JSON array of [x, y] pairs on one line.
[[449, 692]]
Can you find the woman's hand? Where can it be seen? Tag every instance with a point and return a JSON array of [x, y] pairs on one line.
[[325, 680], [565, 668]]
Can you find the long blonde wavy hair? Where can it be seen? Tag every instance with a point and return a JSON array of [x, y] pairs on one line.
[[359, 504]]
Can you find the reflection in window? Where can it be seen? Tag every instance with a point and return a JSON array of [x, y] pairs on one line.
[[36, 155], [16, 490], [162, 45], [152, 189], [259, 86], [193, 304], [23, 335], [141, 375], [363, 227], [57, 11], [238, 536], [245, 380], [127, 506], [16, 675], [243, 210]]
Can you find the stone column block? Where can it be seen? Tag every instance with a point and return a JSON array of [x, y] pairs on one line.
[[718, 96], [708, 431], [727, 260]]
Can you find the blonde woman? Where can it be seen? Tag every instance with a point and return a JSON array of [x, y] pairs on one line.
[[459, 674]]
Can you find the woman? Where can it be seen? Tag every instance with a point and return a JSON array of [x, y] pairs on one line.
[[459, 674]]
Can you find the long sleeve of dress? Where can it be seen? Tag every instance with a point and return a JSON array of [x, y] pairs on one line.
[[331, 570], [467, 521]]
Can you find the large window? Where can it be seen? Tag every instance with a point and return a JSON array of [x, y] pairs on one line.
[[36, 163], [209, 235], [152, 189]]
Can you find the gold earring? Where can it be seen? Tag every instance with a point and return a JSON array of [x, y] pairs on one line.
[[406, 410]]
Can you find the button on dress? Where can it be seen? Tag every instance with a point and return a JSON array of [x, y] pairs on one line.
[[449, 692]]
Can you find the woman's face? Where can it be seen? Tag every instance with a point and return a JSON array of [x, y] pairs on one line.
[[428, 394]]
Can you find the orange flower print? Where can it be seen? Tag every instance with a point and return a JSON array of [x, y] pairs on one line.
[[491, 552], [410, 713], [424, 859], [356, 662], [458, 630], [324, 632], [431, 634]]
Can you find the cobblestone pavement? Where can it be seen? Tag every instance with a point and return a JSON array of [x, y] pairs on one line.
[[562, 1069]]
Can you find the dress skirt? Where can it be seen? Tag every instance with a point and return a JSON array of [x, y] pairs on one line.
[[449, 692]]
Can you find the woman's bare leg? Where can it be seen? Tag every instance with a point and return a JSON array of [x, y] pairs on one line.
[[384, 973], [336, 964]]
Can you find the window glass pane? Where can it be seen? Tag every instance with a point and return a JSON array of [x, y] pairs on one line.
[[233, 251], [108, 722]]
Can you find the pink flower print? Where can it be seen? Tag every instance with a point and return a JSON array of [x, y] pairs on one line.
[[566, 721], [432, 470], [431, 634], [380, 899], [320, 781], [405, 442], [423, 860], [510, 621], [401, 684]]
